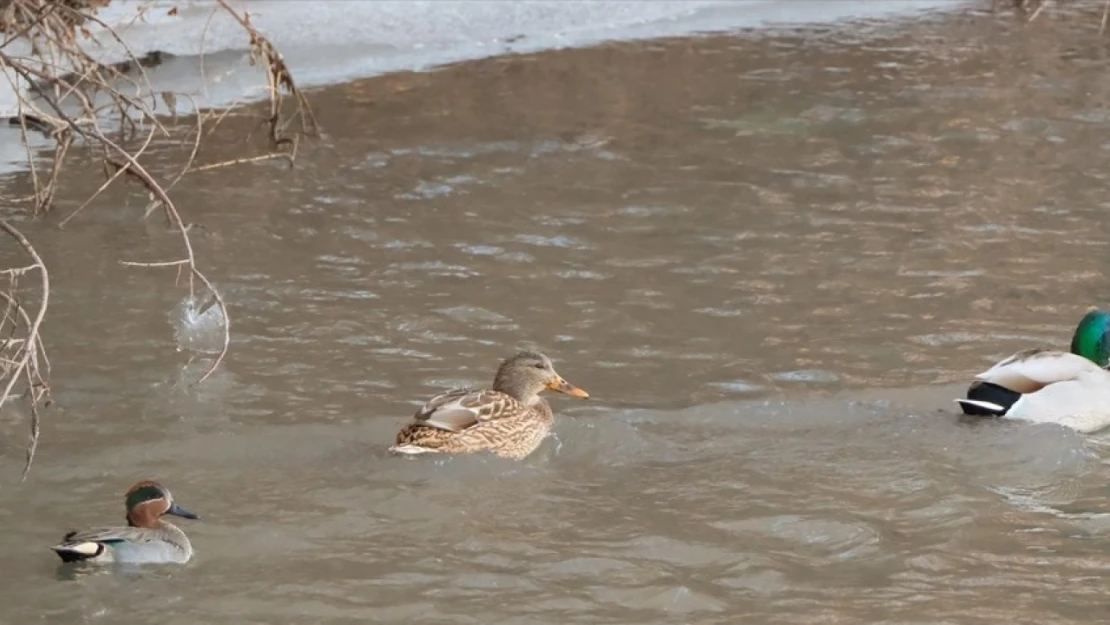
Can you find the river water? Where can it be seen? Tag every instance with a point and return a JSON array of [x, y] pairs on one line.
[[771, 258]]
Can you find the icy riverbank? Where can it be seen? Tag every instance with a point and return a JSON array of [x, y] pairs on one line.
[[326, 42]]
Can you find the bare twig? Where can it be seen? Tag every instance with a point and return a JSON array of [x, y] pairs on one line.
[[112, 178], [167, 204], [1022, 10], [240, 161], [26, 357], [167, 263], [1040, 7], [279, 78]]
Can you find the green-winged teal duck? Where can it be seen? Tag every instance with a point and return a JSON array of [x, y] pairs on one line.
[[146, 539]]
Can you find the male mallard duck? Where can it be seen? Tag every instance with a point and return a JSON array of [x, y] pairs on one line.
[[1046, 386], [509, 420], [147, 538]]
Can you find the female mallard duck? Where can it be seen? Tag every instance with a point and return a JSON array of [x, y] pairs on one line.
[[1045, 386], [509, 420]]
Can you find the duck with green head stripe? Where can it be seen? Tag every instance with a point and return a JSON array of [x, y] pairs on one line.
[[147, 538], [1045, 386]]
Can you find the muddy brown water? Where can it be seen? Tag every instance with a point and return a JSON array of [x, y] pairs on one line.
[[772, 259]]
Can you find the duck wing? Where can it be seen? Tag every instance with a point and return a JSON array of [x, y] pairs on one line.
[[1031, 370], [91, 543], [457, 410]]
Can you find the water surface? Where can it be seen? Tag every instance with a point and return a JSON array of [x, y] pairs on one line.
[[772, 259]]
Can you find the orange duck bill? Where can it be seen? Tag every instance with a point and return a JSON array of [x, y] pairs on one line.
[[559, 385]]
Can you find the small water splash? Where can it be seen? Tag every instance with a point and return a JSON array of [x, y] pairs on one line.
[[806, 375], [198, 325], [743, 387], [1033, 500]]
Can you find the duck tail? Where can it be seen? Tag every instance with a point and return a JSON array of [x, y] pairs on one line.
[[986, 399], [981, 408], [77, 551]]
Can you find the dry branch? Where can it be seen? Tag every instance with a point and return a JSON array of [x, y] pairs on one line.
[[279, 79], [67, 95], [1030, 10], [21, 355]]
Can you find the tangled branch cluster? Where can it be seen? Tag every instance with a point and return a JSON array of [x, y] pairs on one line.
[[22, 356], [72, 98], [1029, 10]]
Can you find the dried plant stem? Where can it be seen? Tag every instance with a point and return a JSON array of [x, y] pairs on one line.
[[1037, 11], [1022, 10], [165, 263], [26, 358], [241, 161], [115, 175], [278, 78], [137, 171], [167, 204], [72, 98]]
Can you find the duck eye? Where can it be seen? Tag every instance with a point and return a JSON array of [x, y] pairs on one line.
[[539, 365]]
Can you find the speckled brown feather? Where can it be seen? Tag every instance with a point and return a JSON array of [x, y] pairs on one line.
[[509, 420], [483, 405], [500, 425]]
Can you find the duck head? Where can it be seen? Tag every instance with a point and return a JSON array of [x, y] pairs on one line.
[[147, 501], [527, 374]]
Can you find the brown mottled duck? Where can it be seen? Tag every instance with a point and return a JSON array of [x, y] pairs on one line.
[[509, 420]]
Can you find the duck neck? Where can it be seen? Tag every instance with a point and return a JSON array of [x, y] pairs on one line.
[[541, 406], [150, 524], [515, 388]]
